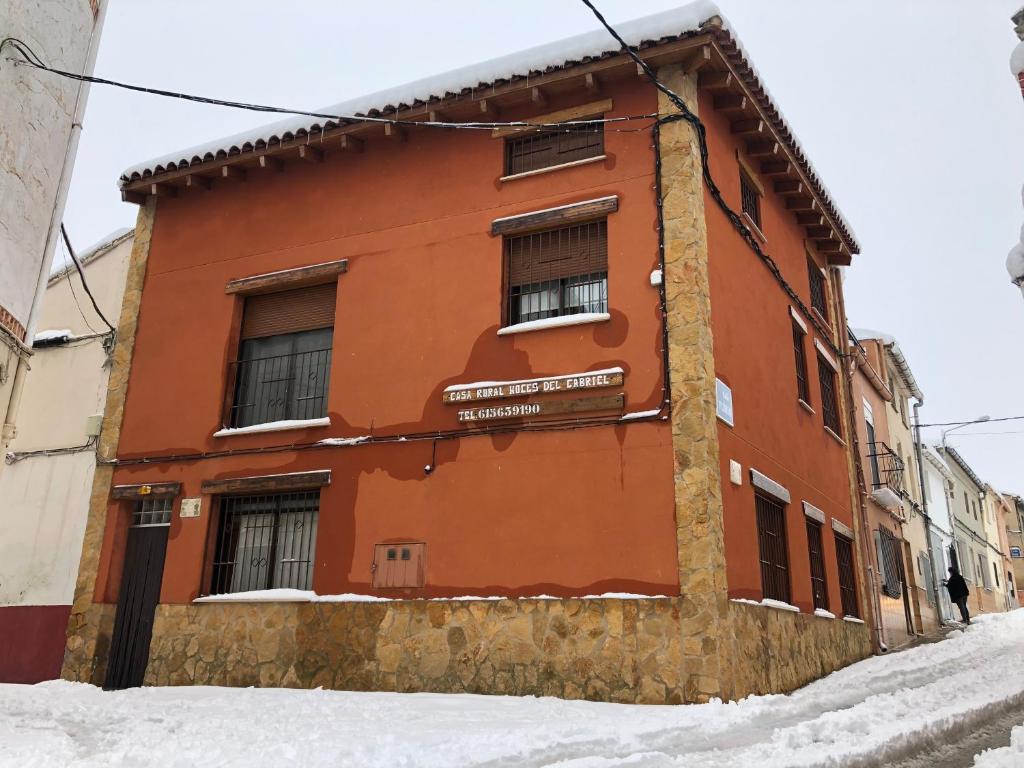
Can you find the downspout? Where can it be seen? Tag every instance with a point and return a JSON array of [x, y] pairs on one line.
[[936, 578], [7, 432]]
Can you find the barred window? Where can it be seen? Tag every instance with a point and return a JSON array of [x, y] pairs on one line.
[[771, 537], [265, 542], [847, 583], [557, 272], [817, 281], [750, 198], [533, 151], [829, 396], [890, 562], [816, 553], [150, 511], [802, 390]]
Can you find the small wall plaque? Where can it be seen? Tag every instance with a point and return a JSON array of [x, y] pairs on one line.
[[723, 401], [190, 507]]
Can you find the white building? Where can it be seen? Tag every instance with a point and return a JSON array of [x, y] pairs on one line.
[[47, 482], [938, 492]]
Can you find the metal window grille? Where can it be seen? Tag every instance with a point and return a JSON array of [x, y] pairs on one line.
[[771, 536], [887, 467], [533, 151], [890, 562], [802, 390], [750, 198], [924, 564], [265, 542], [152, 512], [829, 399], [275, 387], [816, 552], [847, 583], [817, 281], [557, 272]]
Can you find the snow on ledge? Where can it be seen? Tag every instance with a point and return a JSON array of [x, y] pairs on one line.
[[633, 415], [822, 613], [480, 384], [51, 335], [656, 277], [853, 619], [555, 322], [308, 596], [274, 426], [767, 603], [343, 440]]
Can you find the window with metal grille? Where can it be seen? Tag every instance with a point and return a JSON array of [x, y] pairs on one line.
[[284, 359], [890, 563], [876, 475], [557, 272], [771, 537], [152, 512], [533, 151], [750, 198], [802, 389], [829, 396], [816, 552], [847, 582], [924, 565], [265, 542], [817, 281]]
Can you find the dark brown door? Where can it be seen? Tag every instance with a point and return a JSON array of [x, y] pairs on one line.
[[136, 606]]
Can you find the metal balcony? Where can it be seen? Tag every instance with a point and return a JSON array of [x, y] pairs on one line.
[[885, 475]]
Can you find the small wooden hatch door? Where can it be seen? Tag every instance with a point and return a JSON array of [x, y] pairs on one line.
[[397, 566]]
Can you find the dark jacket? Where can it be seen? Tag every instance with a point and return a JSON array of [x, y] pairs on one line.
[[957, 587]]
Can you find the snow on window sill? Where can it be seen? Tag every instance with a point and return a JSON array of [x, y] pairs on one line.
[[581, 318], [274, 426], [767, 603], [285, 595], [806, 406], [836, 437], [559, 167], [853, 619], [823, 614], [634, 415]]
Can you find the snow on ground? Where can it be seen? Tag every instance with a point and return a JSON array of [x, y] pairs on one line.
[[1004, 757], [880, 709]]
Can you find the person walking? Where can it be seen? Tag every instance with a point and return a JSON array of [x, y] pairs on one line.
[[958, 593]]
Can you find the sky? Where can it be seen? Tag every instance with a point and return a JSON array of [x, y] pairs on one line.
[[906, 108]]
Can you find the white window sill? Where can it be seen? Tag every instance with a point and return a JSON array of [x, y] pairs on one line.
[[582, 318], [823, 614], [821, 317], [754, 228], [273, 426], [559, 167], [777, 605], [836, 437], [853, 619], [804, 404]]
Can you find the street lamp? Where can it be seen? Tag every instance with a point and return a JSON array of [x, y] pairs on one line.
[[978, 420]]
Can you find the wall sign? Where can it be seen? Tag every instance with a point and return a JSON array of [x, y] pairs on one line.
[[723, 401], [544, 408], [190, 507], [1015, 552], [494, 390]]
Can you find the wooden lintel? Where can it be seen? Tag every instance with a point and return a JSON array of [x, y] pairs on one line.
[[716, 81], [352, 143], [553, 217], [162, 190], [591, 83], [788, 187], [731, 102], [310, 154], [271, 163], [580, 112], [192, 181], [145, 490], [776, 168], [269, 483], [395, 131], [698, 59], [537, 97], [801, 204], [315, 274], [747, 127], [810, 219], [232, 172]]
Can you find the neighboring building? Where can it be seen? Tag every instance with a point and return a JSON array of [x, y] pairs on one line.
[[1015, 540], [921, 578], [884, 478], [997, 514], [44, 491], [939, 496], [343, 384], [969, 531], [42, 119]]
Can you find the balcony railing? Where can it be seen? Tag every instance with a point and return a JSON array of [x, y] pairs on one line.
[[886, 475], [278, 388]]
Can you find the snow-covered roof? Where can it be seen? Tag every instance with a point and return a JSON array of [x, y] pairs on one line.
[[96, 250], [475, 80], [951, 452], [889, 342]]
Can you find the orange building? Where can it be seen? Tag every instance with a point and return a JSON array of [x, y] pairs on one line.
[[371, 368]]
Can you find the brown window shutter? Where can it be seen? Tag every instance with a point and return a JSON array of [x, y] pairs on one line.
[[301, 309], [558, 253]]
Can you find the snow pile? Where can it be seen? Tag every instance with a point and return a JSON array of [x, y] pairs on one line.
[[633, 415], [344, 440], [53, 335], [580, 318], [286, 595], [1005, 757], [274, 426], [875, 712]]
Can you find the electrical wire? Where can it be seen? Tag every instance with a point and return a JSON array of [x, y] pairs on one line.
[[31, 59], [81, 274], [971, 421], [74, 296]]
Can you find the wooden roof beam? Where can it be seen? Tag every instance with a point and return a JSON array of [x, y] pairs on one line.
[[538, 98], [395, 132], [789, 187], [763, 149], [351, 143], [232, 172], [197, 182], [716, 81], [810, 219], [697, 60], [801, 204], [130, 196], [751, 127], [828, 246], [820, 232], [162, 190], [270, 163], [310, 154], [776, 168], [591, 83], [731, 102]]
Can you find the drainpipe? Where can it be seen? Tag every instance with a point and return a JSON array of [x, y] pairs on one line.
[[918, 452], [8, 429]]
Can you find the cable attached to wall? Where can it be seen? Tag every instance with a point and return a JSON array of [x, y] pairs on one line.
[[85, 283]]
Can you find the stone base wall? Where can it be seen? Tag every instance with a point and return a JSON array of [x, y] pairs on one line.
[[620, 650]]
